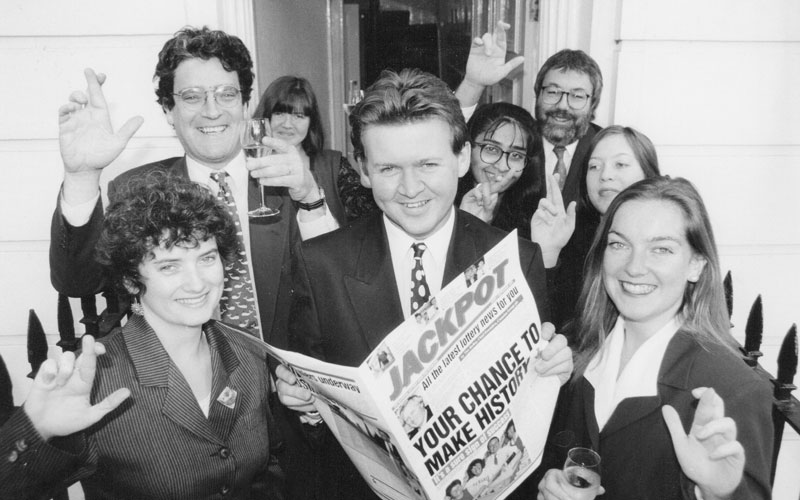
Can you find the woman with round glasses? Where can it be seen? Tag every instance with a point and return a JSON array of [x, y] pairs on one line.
[[291, 107], [506, 177], [658, 389], [618, 156]]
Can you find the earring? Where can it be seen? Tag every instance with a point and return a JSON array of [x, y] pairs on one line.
[[136, 307]]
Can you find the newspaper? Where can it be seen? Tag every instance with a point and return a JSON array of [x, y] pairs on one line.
[[449, 403]]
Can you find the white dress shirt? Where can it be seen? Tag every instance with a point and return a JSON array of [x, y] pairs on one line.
[[639, 377], [550, 158], [433, 260]]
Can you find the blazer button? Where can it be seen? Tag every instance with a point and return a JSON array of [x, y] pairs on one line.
[[12, 457], [224, 453], [21, 445], [224, 490]]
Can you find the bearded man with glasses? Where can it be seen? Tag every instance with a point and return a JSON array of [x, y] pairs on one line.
[[567, 87]]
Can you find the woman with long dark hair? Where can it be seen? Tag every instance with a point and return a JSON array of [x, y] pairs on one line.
[[653, 339]]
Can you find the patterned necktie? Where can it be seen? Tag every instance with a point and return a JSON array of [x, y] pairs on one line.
[[420, 293], [237, 305], [561, 167]]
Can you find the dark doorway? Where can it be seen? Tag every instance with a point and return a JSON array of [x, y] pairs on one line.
[[432, 35]]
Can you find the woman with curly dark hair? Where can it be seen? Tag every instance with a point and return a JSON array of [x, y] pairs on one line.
[[177, 406], [506, 178]]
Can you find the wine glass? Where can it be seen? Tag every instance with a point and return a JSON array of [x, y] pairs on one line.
[[582, 470], [253, 131]]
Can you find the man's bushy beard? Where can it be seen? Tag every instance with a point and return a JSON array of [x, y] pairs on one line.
[[558, 134]]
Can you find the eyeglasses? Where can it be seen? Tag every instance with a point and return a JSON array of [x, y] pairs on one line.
[[194, 97], [492, 154], [575, 100]]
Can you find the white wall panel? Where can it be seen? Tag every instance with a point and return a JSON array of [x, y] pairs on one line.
[[99, 17], [735, 20], [54, 69], [710, 93], [750, 192]]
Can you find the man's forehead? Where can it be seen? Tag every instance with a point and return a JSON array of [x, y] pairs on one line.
[[568, 79], [198, 71]]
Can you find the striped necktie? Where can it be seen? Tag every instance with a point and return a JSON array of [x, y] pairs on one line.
[[561, 167], [238, 304]]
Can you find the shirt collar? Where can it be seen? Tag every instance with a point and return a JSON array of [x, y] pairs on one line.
[[639, 378], [236, 169], [568, 154], [438, 242]]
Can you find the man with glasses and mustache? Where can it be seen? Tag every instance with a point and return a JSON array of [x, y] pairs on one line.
[[567, 87]]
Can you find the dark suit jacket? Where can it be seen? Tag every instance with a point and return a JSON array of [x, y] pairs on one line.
[[74, 272], [638, 460], [158, 444], [346, 302]]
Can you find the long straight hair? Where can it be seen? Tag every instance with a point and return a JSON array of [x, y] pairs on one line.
[[703, 313]]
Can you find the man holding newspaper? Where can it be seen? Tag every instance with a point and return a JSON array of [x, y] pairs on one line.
[[355, 285]]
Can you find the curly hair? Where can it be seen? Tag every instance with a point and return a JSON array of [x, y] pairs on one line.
[[205, 44], [519, 201], [293, 94], [160, 209], [407, 97]]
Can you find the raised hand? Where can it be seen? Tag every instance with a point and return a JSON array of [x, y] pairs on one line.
[[59, 402], [551, 225], [480, 201], [86, 138], [709, 455], [284, 168], [486, 64]]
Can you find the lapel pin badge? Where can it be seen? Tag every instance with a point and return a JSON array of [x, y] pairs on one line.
[[227, 397]]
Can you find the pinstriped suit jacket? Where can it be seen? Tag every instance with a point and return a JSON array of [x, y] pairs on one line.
[[158, 444]]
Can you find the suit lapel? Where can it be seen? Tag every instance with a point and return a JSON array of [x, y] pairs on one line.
[[372, 289], [227, 385], [268, 250], [154, 368], [671, 375], [462, 251]]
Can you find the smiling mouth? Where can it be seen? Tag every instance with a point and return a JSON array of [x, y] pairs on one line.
[[636, 288], [192, 302], [212, 130], [416, 204], [608, 192]]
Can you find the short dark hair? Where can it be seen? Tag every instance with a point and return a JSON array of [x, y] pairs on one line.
[[573, 60], [160, 209], [448, 491], [293, 94], [407, 97], [205, 44], [480, 461], [516, 206]]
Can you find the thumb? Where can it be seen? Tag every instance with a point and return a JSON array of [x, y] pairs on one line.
[[130, 127], [514, 63], [675, 427], [571, 211], [110, 403]]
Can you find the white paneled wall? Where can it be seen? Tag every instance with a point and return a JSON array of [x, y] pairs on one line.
[[44, 46], [714, 84]]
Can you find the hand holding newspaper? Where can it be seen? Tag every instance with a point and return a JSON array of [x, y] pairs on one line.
[[449, 402]]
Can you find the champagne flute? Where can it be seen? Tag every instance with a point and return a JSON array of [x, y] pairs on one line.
[[253, 131], [582, 470]]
